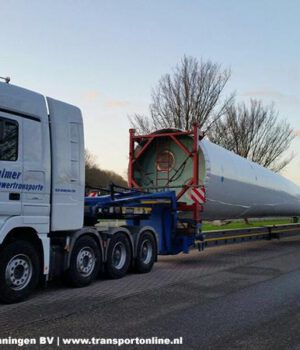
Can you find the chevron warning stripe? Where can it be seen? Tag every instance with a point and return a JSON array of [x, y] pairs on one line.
[[92, 194], [198, 195]]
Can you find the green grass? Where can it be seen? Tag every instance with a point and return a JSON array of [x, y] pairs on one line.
[[209, 226]]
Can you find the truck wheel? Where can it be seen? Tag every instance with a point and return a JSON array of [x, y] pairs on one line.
[[118, 256], [85, 262], [146, 253], [19, 271]]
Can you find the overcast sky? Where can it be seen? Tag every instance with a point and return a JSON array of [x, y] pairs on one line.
[[105, 56]]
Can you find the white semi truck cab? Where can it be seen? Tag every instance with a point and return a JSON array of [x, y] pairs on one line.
[[42, 185]]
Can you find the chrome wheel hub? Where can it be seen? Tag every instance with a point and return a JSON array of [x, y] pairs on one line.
[[86, 261], [119, 255], [18, 272], [146, 251]]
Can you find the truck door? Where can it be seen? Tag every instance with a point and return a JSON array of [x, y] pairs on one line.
[[11, 175], [68, 179], [36, 171]]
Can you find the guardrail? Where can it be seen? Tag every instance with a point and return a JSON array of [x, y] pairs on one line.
[[219, 237]]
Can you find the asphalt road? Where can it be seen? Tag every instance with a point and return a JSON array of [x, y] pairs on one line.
[[243, 296]]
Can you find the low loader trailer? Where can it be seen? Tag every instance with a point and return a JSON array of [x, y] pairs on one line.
[[48, 227]]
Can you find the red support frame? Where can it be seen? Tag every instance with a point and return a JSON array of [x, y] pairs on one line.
[[145, 140]]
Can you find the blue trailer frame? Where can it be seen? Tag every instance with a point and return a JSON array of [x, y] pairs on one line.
[[158, 210]]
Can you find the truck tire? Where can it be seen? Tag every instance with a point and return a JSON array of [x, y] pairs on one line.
[[146, 253], [19, 271], [119, 256], [85, 262]]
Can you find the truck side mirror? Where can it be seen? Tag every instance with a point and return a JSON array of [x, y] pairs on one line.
[[2, 125]]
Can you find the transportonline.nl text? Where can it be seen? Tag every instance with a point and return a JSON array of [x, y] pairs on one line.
[[57, 341]]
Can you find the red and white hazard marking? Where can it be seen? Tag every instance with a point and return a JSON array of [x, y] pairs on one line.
[[198, 195], [92, 194]]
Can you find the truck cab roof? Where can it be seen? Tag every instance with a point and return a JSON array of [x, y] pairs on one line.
[[23, 102]]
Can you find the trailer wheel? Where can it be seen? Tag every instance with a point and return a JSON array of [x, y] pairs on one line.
[[146, 253], [85, 262], [19, 271], [118, 256]]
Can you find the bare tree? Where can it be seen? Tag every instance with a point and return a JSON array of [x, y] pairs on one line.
[[192, 93], [96, 177], [256, 133], [90, 159]]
